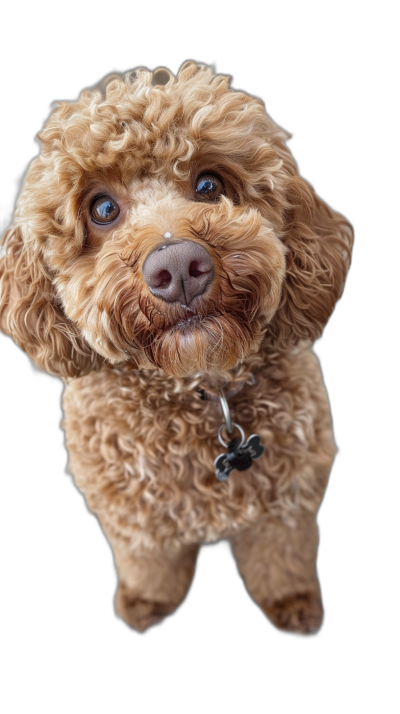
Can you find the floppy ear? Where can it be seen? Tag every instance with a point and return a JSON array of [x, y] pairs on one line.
[[319, 243], [29, 312]]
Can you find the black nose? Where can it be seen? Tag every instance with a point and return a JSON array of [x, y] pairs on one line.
[[178, 272]]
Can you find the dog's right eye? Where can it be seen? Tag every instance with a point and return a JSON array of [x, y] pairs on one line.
[[104, 210], [209, 187]]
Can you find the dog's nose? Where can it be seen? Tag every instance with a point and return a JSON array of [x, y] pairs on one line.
[[178, 272]]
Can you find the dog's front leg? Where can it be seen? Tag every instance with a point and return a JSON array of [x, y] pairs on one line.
[[152, 582], [278, 566]]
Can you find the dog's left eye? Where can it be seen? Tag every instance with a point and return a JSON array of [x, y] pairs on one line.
[[104, 210], [209, 187]]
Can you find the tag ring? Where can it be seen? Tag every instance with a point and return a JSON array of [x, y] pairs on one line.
[[221, 441], [225, 411]]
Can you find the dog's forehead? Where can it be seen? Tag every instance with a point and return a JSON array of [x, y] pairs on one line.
[[150, 190], [136, 125]]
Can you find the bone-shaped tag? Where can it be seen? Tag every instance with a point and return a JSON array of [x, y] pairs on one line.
[[238, 457]]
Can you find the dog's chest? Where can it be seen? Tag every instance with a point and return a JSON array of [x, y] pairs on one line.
[[144, 457]]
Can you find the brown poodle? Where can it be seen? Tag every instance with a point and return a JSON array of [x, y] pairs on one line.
[[164, 248]]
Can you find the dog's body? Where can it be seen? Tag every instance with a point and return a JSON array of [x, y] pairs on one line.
[[165, 248]]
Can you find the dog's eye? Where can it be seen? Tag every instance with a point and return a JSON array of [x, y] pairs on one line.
[[209, 187], [104, 210]]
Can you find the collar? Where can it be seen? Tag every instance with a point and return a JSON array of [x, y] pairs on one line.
[[214, 396]]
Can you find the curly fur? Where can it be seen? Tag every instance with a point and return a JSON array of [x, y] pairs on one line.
[[72, 295]]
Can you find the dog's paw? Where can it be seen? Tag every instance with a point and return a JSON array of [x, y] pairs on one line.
[[140, 613], [301, 613]]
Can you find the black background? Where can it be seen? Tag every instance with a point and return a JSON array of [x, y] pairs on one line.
[[58, 566]]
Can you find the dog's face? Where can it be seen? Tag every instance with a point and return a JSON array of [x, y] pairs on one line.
[[166, 225]]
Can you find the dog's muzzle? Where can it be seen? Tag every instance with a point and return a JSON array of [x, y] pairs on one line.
[[178, 272]]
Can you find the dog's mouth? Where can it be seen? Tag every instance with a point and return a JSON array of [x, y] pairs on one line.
[[163, 317], [203, 338], [191, 319], [211, 336]]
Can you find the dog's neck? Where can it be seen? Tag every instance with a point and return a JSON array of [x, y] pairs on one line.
[[209, 385]]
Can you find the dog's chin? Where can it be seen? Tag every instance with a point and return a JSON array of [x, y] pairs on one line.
[[199, 345]]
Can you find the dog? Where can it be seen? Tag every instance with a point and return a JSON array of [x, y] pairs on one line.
[[169, 263]]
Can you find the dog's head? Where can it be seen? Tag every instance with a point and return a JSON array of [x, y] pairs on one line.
[[166, 225]]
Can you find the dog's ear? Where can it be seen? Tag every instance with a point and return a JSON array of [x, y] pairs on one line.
[[319, 243], [29, 312]]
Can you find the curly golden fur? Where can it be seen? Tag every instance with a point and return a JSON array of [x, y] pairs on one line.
[[73, 295]]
